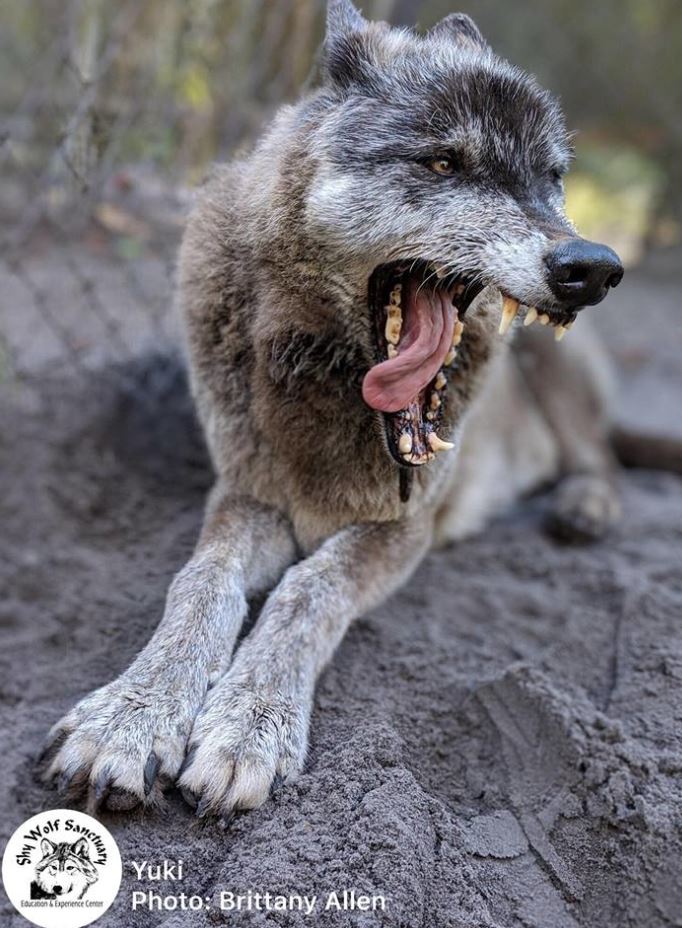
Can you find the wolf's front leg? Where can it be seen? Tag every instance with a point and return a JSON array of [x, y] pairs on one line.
[[251, 733], [123, 741]]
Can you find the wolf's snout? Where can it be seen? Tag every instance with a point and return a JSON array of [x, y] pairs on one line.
[[57, 889], [580, 273]]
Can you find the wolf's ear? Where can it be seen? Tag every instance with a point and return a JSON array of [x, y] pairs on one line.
[[345, 47], [342, 18], [47, 847], [460, 29], [80, 849]]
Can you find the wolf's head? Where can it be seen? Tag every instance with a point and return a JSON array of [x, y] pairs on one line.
[[437, 173], [65, 870]]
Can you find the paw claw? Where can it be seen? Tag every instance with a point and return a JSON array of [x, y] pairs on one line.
[[203, 807], [227, 820], [189, 757], [71, 781], [277, 784], [190, 798], [102, 788], [151, 769], [51, 746]]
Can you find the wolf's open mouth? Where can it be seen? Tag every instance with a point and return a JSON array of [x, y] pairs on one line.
[[417, 316]]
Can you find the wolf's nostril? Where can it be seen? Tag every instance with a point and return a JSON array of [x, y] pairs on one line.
[[581, 272], [572, 274]]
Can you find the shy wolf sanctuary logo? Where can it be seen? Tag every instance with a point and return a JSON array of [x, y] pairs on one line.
[[61, 869]]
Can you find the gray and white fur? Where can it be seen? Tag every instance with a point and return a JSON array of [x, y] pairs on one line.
[[273, 280]]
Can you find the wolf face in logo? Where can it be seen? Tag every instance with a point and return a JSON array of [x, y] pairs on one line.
[[65, 871]]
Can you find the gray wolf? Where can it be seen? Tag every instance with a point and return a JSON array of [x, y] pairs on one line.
[[65, 870], [350, 289]]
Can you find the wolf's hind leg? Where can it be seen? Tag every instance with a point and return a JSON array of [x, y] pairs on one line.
[[571, 384], [124, 741], [252, 731]]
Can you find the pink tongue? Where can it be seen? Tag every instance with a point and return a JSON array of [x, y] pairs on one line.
[[429, 320]]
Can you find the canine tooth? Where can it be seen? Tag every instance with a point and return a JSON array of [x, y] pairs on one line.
[[510, 307], [559, 333], [543, 319], [440, 380], [392, 351], [436, 443], [457, 333], [569, 326], [435, 401], [531, 316], [405, 443]]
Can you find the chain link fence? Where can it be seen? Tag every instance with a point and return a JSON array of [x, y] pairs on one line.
[[111, 112]]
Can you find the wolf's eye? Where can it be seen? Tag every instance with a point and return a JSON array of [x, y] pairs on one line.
[[443, 165], [556, 176]]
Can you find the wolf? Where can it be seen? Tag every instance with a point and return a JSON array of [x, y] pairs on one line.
[[64, 872], [350, 289]]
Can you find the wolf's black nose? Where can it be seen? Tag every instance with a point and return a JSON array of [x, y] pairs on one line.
[[581, 272], [57, 889]]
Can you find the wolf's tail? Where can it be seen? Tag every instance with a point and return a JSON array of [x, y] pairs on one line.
[[653, 452]]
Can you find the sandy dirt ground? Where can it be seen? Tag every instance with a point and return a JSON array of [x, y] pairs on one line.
[[498, 746]]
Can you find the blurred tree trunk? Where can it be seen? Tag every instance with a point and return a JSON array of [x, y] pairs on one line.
[[86, 40]]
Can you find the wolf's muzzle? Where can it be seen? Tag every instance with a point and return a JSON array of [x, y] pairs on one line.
[[580, 273]]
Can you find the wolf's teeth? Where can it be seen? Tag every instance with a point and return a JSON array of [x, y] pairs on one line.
[[510, 307], [457, 333], [430, 415], [450, 356], [441, 272], [440, 380], [543, 319], [392, 351], [437, 444], [568, 326], [559, 332], [531, 316], [394, 323], [407, 457], [435, 401], [405, 443], [396, 294]]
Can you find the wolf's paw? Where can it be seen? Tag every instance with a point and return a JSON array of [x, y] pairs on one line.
[[122, 744], [584, 509], [249, 738]]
